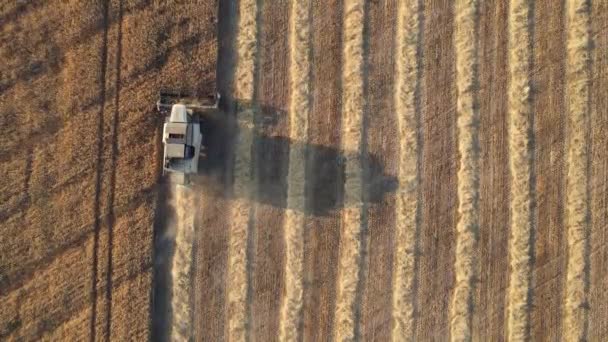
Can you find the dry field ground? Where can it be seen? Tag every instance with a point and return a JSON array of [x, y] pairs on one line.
[[400, 169]]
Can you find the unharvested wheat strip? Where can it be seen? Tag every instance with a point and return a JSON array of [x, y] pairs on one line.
[[468, 172], [352, 120], [299, 71], [239, 212], [407, 63], [181, 270], [577, 204], [518, 315]]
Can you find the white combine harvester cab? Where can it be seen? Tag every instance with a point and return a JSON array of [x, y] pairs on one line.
[[182, 137]]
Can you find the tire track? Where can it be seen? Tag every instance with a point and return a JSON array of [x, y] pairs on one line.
[[237, 275], [299, 108], [407, 209], [466, 42], [352, 128], [520, 157], [113, 165], [577, 181], [99, 171]]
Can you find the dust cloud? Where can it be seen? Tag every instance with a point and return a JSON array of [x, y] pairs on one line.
[[181, 265]]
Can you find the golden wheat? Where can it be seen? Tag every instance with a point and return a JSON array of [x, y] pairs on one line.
[[518, 315], [407, 64], [577, 204], [294, 217], [468, 172], [352, 120], [239, 213]]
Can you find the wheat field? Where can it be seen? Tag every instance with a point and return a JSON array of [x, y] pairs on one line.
[[380, 170]]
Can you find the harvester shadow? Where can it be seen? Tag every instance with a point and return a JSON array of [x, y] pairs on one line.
[[324, 165]]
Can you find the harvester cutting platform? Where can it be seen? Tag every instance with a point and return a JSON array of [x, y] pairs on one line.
[[182, 133]]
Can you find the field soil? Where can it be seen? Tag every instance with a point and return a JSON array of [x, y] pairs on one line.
[[404, 200]]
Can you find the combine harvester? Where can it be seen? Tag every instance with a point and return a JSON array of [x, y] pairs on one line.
[[182, 133]]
